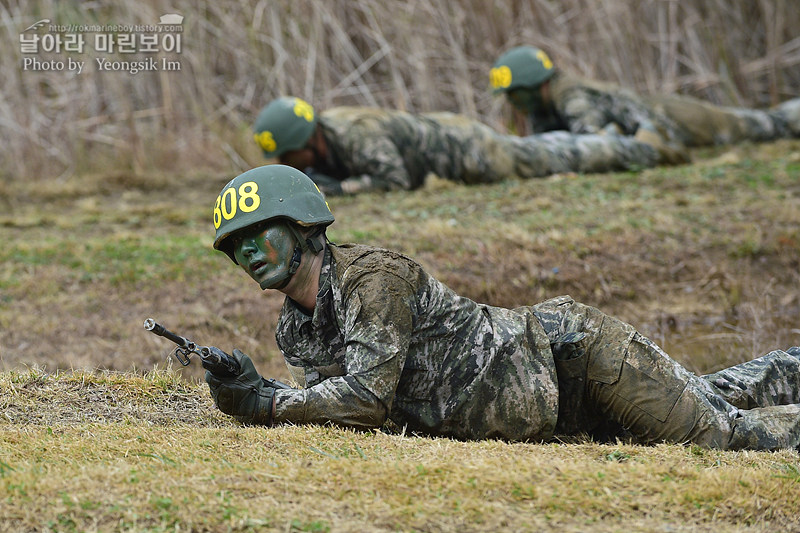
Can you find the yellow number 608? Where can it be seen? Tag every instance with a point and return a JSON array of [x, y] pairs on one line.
[[226, 204]]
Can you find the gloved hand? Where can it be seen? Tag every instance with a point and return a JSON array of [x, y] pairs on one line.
[[612, 128], [327, 185], [244, 396], [331, 189]]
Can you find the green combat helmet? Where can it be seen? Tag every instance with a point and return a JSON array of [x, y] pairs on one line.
[[266, 193], [520, 67], [284, 124]]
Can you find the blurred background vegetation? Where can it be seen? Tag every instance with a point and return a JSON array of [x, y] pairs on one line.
[[417, 55]]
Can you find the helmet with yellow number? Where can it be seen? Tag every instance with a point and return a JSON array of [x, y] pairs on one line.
[[265, 193], [520, 67], [284, 124]]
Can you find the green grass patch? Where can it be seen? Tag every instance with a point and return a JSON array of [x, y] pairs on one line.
[[702, 258], [118, 259], [147, 472]]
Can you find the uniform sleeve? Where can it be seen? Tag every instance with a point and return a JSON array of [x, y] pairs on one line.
[[378, 326], [583, 111], [544, 120], [375, 163]]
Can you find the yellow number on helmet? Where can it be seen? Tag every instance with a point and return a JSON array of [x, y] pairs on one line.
[[226, 214], [303, 109], [226, 204], [265, 141], [217, 213], [546, 63], [249, 200], [500, 77]]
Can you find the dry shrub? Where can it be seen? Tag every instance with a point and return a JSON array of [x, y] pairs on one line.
[[118, 452], [418, 56]]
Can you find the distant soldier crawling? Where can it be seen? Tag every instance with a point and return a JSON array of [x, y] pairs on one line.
[[347, 150], [371, 337], [556, 100]]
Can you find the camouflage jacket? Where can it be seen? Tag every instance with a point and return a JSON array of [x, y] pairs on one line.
[[387, 340], [376, 149], [584, 106]]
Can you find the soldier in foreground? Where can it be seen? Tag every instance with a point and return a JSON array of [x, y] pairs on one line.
[[347, 150], [371, 337], [556, 100]]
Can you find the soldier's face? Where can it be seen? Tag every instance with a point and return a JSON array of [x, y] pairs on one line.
[[265, 253], [300, 159], [528, 99]]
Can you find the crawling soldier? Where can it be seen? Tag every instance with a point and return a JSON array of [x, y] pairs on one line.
[[371, 336]]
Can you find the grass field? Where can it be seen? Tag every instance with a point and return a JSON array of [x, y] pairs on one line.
[[100, 432]]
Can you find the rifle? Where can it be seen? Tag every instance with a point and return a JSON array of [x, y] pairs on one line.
[[212, 358]]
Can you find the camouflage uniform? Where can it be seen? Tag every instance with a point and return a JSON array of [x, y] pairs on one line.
[[378, 149], [583, 106], [386, 340], [609, 371]]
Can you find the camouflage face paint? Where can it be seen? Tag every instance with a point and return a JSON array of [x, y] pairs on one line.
[[265, 253]]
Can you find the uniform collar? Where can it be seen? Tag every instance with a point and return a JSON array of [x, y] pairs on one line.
[[324, 295]]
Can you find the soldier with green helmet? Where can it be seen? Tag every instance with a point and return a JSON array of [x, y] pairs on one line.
[[555, 100], [347, 150], [371, 337]]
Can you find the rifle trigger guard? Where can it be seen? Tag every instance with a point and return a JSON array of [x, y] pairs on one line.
[[182, 355]]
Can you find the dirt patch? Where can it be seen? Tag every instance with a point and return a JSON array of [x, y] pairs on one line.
[[702, 258], [159, 399]]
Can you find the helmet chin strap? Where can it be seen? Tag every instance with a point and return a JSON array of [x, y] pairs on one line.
[[301, 245]]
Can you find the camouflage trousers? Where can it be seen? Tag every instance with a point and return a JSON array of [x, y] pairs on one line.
[[697, 123], [607, 371], [561, 151], [475, 153]]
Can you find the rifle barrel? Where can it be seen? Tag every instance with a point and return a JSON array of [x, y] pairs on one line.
[[151, 325]]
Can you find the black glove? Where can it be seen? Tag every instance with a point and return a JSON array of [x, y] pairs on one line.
[[245, 396], [327, 185]]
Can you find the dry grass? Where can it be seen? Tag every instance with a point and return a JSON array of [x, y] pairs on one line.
[[703, 258], [239, 54], [150, 454]]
